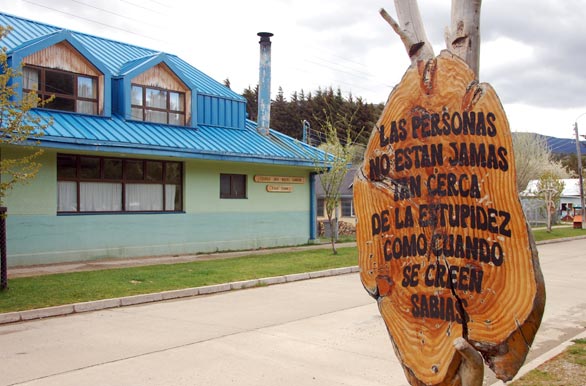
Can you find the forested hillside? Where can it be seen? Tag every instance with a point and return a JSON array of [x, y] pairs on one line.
[[288, 113]]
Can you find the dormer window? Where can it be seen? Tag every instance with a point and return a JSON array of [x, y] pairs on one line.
[[72, 92], [152, 104]]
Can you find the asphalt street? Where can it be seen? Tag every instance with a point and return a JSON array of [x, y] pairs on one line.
[[323, 331]]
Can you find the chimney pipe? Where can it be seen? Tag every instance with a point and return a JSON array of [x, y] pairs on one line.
[[264, 84]]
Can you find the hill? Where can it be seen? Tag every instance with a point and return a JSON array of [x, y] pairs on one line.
[[563, 145]]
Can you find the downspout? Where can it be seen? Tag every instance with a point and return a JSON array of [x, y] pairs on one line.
[[264, 84], [312, 208]]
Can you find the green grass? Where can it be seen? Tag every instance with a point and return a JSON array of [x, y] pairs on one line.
[[577, 352], [58, 289], [53, 290], [566, 369], [556, 233]]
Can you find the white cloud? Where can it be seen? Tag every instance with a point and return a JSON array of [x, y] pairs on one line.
[[533, 50]]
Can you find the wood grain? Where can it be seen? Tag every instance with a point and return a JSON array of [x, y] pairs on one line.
[[432, 276]]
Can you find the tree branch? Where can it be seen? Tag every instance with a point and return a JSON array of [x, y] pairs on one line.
[[463, 36], [471, 369], [410, 29]]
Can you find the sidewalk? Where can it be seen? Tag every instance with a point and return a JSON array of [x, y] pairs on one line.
[[38, 270], [304, 337]]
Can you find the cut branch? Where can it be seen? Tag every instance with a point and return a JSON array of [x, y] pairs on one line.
[[463, 36], [471, 369], [410, 29]]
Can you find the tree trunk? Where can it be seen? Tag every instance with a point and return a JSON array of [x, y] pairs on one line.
[[549, 208], [332, 232], [463, 36]]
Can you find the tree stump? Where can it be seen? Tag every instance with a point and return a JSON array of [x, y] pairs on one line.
[[443, 243]]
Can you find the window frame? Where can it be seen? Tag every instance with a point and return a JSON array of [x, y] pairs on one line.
[[43, 94], [320, 207], [234, 194], [168, 111], [124, 180], [347, 201]]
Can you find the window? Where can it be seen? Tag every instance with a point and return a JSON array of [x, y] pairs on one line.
[[347, 207], [71, 91], [232, 186], [320, 207], [105, 184], [157, 105]]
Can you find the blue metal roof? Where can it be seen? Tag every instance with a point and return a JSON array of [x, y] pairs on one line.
[[115, 134], [115, 56], [210, 139]]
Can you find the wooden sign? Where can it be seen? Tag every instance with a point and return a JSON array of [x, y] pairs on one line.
[[279, 188], [442, 238], [279, 179]]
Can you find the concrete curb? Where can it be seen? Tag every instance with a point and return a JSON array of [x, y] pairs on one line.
[[560, 240], [535, 363], [103, 304]]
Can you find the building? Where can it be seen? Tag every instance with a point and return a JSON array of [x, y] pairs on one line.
[[344, 212], [569, 206], [146, 155]]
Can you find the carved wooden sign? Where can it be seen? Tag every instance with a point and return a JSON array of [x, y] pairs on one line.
[[279, 188], [279, 179], [442, 238]]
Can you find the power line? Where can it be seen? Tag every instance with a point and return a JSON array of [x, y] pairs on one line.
[[90, 20], [113, 13], [141, 6]]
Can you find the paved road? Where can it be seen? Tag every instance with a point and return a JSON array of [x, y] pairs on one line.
[[316, 332]]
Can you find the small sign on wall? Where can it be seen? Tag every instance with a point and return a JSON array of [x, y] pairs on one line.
[[279, 188], [279, 179]]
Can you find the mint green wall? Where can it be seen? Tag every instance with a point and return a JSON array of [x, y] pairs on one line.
[[37, 235], [39, 195], [203, 187]]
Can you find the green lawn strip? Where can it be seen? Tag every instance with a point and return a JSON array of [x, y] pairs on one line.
[[566, 369], [58, 289], [52, 290], [556, 233]]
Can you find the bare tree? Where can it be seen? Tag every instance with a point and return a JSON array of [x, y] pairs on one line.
[[549, 189], [532, 158], [341, 152]]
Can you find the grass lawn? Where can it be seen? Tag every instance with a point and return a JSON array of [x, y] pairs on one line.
[[556, 233], [52, 290], [58, 289], [566, 369]]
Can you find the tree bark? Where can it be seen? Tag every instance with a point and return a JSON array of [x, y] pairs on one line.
[[463, 36], [411, 30]]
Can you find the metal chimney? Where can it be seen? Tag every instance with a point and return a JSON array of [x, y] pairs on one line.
[[264, 84]]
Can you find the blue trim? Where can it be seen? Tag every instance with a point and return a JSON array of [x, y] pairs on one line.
[[150, 62], [19, 53], [312, 207], [177, 153]]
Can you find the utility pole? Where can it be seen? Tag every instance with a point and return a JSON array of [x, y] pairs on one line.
[[581, 182]]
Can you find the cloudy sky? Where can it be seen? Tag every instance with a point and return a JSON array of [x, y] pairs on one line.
[[533, 51]]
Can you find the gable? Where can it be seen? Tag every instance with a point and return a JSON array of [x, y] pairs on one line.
[[160, 76], [63, 56]]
